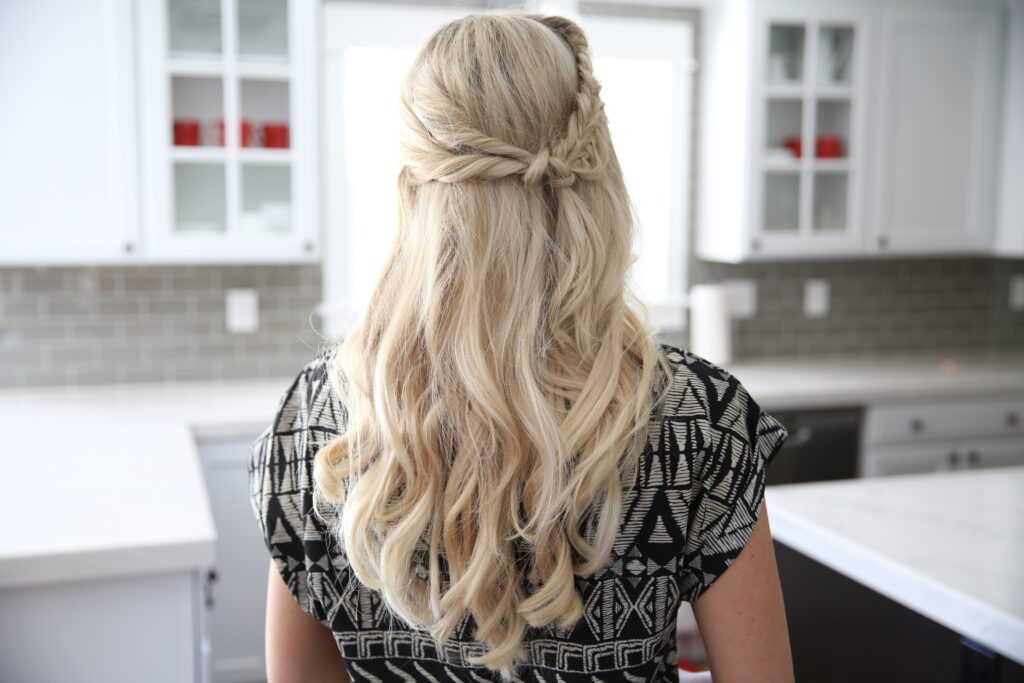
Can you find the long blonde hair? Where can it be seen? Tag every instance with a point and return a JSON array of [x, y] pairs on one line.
[[499, 386]]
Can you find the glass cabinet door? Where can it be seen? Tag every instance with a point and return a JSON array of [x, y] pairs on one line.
[[230, 117], [809, 106]]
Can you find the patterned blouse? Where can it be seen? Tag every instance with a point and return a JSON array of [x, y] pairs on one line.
[[691, 509]]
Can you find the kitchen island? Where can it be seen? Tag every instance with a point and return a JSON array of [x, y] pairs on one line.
[[919, 575]]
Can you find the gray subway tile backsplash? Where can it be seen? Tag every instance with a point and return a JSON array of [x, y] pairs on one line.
[[167, 323], [73, 325]]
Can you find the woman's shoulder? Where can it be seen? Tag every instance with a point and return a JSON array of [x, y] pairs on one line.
[[692, 365], [309, 402], [699, 386]]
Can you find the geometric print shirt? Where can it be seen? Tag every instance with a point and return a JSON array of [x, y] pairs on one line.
[[692, 505]]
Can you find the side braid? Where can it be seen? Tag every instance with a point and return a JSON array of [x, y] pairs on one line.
[[451, 150]]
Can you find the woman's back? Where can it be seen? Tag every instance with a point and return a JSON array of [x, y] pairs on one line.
[[690, 510]]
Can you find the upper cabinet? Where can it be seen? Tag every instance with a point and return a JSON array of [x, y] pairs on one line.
[[158, 131], [67, 133], [809, 104], [228, 115], [935, 141], [836, 129]]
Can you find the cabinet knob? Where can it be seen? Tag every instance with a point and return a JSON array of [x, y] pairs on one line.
[[129, 247], [883, 241], [954, 458], [973, 457], [1012, 419], [755, 244], [308, 246], [211, 577], [917, 425]]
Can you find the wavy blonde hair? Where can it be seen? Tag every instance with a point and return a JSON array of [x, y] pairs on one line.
[[499, 386]]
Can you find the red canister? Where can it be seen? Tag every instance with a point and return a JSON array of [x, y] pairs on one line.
[[186, 132], [794, 145], [828, 147], [275, 135]]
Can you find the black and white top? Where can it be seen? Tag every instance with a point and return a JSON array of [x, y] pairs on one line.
[[691, 509]]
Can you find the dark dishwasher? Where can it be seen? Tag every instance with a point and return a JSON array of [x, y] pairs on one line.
[[823, 444]]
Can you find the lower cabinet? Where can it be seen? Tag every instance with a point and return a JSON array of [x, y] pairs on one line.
[[936, 436], [942, 456], [237, 605], [124, 629]]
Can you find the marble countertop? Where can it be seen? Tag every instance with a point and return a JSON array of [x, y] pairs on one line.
[[786, 384], [947, 545], [105, 480]]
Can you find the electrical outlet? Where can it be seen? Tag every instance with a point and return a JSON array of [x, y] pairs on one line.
[[742, 296], [816, 298], [1017, 293], [242, 311]]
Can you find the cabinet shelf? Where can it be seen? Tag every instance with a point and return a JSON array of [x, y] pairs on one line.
[[270, 70], [785, 91], [831, 165], [779, 165], [834, 92], [257, 155], [187, 66], [276, 70], [198, 154]]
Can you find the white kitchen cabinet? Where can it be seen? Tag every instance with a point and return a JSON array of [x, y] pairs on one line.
[[67, 133], [848, 129], [238, 605], [942, 457], [935, 141], [1010, 218], [930, 436], [810, 91], [228, 117], [143, 627]]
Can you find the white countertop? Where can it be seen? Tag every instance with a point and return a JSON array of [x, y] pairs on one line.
[[105, 480], [785, 384], [947, 545]]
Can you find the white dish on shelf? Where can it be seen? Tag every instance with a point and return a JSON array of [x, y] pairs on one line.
[[779, 155]]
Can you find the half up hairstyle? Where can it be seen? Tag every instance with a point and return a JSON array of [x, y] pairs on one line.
[[499, 387]]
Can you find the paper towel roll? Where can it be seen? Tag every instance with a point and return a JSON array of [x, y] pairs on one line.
[[710, 327]]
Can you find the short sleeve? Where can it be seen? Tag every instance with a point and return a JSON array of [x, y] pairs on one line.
[[280, 486], [727, 478]]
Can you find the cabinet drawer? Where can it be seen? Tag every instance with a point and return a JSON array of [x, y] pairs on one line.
[[942, 456], [920, 422]]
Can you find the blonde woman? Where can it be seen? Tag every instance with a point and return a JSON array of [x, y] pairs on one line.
[[500, 475]]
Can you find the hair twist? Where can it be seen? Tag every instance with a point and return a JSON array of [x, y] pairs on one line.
[[449, 149]]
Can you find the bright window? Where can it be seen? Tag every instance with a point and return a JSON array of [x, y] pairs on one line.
[[644, 68]]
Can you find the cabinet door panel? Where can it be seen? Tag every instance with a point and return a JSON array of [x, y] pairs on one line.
[[934, 153], [67, 181], [883, 461], [239, 594], [995, 453]]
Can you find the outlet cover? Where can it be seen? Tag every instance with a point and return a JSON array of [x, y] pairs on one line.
[[742, 295], [816, 298], [242, 311], [1017, 293]]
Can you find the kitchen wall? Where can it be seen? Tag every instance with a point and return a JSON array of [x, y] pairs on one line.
[[877, 307], [121, 324], [125, 324]]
